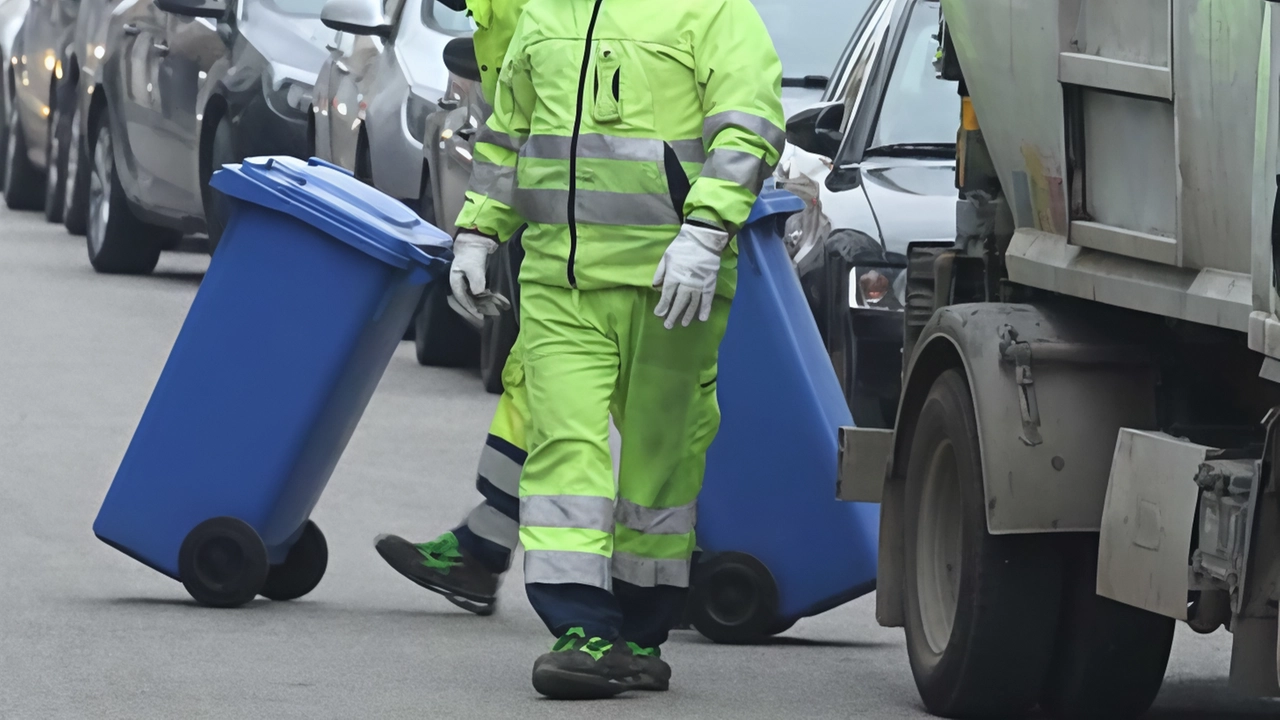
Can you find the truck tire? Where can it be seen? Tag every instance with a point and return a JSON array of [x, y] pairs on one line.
[[1110, 658], [23, 183], [981, 609], [118, 242]]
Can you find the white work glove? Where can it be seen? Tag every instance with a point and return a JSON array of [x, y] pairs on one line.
[[467, 274], [687, 274]]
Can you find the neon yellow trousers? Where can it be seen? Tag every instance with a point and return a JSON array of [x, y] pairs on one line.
[[589, 355]]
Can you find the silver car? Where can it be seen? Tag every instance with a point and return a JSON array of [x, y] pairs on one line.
[[12, 13], [81, 75], [383, 78]]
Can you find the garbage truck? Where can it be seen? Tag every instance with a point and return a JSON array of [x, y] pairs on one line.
[[1084, 452]]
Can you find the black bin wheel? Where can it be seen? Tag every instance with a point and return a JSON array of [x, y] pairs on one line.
[[734, 599], [302, 568], [223, 562]]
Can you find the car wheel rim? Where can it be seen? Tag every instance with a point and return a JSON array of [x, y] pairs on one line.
[[99, 187], [51, 162], [73, 163], [939, 551], [11, 146]]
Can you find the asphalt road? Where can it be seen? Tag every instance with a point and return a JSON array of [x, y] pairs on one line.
[[87, 632]]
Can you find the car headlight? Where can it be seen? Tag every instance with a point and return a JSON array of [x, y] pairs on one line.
[[879, 288], [416, 112], [290, 98]]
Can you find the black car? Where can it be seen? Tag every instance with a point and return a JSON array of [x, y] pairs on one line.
[[891, 183], [37, 127], [187, 86]]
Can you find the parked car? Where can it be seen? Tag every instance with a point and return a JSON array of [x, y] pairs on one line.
[[384, 75], [12, 15], [809, 38], [34, 118], [883, 159], [81, 77], [190, 85]]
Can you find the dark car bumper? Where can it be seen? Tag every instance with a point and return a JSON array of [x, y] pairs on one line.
[[876, 366]]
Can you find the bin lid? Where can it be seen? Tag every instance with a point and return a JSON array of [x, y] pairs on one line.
[[773, 201], [332, 200]]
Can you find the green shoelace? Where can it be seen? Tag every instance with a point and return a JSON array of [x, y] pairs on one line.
[[441, 554], [572, 640]]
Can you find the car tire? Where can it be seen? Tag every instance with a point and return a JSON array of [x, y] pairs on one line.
[[498, 334], [118, 242], [55, 158], [216, 208], [23, 182], [441, 338], [981, 609], [5, 101], [1110, 658], [75, 201]]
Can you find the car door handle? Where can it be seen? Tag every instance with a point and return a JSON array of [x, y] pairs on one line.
[[161, 49], [131, 29]]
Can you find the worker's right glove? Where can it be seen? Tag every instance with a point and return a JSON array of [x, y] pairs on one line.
[[687, 274], [467, 274]]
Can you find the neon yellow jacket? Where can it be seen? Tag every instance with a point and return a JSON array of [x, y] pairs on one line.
[[495, 25], [613, 122]]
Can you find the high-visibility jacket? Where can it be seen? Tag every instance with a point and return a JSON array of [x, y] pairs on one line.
[[615, 121], [495, 25]]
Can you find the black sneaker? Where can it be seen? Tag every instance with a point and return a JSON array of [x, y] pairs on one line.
[[655, 673], [443, 567], [582, 668]]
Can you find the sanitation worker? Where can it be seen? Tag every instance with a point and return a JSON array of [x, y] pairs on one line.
[[466, 565], [632, 138]]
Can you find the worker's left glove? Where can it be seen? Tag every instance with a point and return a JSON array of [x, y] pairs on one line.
[[687, 274], [467, 274]]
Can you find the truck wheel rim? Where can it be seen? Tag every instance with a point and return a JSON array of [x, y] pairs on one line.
[[99, 182], [939, 551]]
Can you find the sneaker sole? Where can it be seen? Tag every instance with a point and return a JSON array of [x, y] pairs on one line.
[[483, 607], [560, 684], [650, 684]]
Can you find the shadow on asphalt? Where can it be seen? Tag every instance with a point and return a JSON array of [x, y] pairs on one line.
[[695, 638], [186, 278], [306, 608], [1192, 699]]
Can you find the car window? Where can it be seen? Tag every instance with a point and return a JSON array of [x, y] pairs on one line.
[[439, 17], [809, 35], [859, 67], [918, 108]]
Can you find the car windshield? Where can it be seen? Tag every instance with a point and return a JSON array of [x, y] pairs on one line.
[[810, 34], [918, 109], [437, 16]]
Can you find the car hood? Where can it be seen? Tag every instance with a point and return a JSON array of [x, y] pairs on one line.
[[912, 199], [294, 45]]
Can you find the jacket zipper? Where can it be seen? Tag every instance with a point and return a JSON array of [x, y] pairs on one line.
[[573, 146]]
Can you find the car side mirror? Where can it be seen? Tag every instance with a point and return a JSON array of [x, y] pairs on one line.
[[358, 17], [817, 129], [213, 9], [460, 59]]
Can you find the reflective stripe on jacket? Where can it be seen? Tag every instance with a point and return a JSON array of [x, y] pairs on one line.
[[614, 121]]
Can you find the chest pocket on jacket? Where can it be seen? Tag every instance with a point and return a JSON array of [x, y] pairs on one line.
[[608, 85]]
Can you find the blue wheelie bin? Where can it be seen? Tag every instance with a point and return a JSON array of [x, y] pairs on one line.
[[776, 543], [311, 289]]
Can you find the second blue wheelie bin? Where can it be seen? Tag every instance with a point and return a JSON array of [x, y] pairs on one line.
[[303, 305], [776, 545]]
